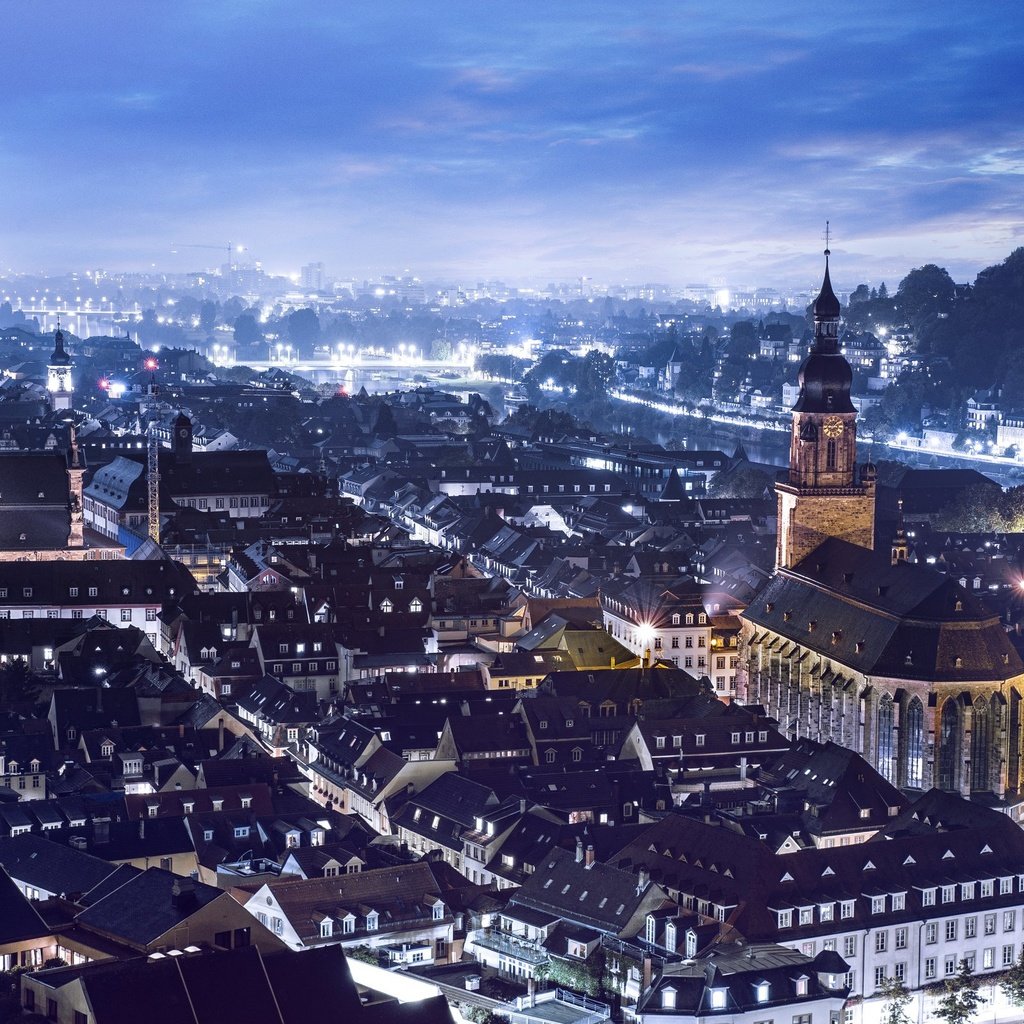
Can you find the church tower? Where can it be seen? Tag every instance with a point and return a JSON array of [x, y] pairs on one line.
[[58, 375], [823, 496]]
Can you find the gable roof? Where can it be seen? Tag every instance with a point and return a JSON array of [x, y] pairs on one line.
[[18, 918]]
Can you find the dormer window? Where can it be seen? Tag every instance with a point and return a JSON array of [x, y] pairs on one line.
[[762, 991], [718, 998], [415, 605], [326, 928], [668, 998], [386, 606], [801, 985], [107, 750], [371, 921], [438, 910]]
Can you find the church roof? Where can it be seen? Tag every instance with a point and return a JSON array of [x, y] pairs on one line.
[[825, 376], [826, 305], [59, 357], [901, 621]]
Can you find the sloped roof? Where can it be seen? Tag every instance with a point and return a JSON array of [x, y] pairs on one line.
[[18, 918], [901, 621]]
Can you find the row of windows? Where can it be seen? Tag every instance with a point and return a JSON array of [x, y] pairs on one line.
[[79, 613], [699, 739], [898, 900], [312, 666], [989, 959], [387, 605], [951, 927], [255, 501]]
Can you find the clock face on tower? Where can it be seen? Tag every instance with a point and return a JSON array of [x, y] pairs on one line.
[[183, 433], [833, 427]]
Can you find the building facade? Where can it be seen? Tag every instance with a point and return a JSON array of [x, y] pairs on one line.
[[891, 659]]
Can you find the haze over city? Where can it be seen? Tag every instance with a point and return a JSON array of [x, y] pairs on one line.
[[649, 141]]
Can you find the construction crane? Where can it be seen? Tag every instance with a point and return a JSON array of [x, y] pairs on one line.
[[229, 249], [153, 482]]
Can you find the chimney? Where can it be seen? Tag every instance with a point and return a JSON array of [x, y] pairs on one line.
[[100, 831], [647, 968], [579, 850], [142, 827], [181, 730], [220, 733], [183, 894], [643, 877], [588, 859]]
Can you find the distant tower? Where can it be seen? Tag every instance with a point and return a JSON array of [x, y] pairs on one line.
[[900, 548], [823, 496], [181, 439], [58, 376], [76, 470], [153, 485]]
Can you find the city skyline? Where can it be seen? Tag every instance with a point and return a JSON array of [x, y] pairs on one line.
[[662, 143]]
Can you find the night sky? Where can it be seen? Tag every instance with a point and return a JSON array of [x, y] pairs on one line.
[[674, 142]]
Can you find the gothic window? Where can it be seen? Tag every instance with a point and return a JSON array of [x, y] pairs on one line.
[[981, 745], [884, 731], [830, 455], [913, 729], [949, 745]]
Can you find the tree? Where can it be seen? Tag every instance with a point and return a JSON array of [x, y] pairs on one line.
[[441, 349], [594, 374], [962, 997], [17, 683], [478, 1015], [860, 294], [303, 328], [247, 330], [743, 481], [208, 315], [1013, 982], [896, 996], [925, 293]]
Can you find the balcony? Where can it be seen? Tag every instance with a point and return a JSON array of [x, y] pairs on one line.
[[501, 942]]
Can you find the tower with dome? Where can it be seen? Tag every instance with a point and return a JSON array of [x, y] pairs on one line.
[[824, 495]]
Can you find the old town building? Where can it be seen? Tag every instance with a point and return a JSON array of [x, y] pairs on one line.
[[889, 658]]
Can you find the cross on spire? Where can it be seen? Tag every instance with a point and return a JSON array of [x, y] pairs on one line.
[[828, 238]]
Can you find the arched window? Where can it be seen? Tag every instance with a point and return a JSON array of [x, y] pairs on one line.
[[949, 745], [981, 745], [830, 455], [884, 722], [913, 730]]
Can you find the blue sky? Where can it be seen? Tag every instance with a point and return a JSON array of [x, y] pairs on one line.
[[532, 141]]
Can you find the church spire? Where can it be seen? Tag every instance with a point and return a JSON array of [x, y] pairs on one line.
[[825, 376], [900, 548]]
